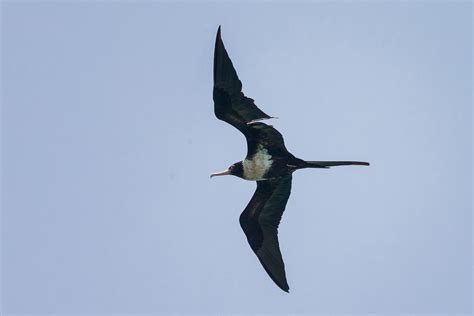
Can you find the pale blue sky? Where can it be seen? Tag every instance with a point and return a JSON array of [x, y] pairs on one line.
[[109, 137]]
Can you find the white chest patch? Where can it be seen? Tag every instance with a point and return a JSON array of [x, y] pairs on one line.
[[257, 165]]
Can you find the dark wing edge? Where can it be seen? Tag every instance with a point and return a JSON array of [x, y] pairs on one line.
[[260, 221], [230, 104]]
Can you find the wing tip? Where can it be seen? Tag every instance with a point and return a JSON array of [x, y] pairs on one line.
[[284, 286], [219, 50], [218, 36]]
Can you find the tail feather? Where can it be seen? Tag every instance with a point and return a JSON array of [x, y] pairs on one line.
[[328, 164]]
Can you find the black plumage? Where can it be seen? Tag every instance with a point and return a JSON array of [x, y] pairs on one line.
[[268, 162]]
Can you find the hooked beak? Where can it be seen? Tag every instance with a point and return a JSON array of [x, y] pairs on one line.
[[223, 173]]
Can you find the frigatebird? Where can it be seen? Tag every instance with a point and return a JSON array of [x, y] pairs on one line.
[[268, 162]]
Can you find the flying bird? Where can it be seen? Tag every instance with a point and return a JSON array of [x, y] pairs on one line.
[[268, 162]]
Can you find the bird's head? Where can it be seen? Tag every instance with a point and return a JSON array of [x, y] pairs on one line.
[[235, 169]]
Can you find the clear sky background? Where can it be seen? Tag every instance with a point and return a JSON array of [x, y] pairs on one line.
[[109, 137]]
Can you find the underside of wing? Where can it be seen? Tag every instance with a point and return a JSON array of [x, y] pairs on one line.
[[266, 136], [260, 221], [230, 104]]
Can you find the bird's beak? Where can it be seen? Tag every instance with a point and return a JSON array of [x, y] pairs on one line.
[[223, 173]]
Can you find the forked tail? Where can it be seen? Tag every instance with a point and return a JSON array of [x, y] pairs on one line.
[[328, 164]]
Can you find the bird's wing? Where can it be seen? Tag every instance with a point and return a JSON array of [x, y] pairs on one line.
[[230, 104], [261, 134], [233, 107], [260, 221]]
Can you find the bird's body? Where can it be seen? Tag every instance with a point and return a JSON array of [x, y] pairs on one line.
[[258, 165], [268, 162]]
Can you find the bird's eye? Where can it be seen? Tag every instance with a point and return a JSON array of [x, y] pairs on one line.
[[231, 167]]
